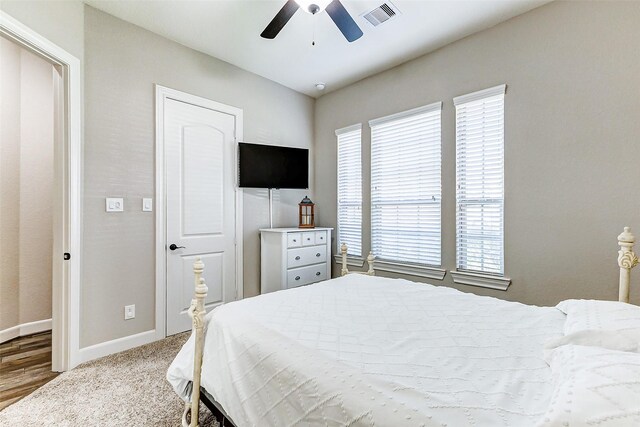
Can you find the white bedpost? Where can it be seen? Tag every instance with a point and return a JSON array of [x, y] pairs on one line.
[[345, 270], [627, 259], [197, 312], [343, 251], [370, 259]]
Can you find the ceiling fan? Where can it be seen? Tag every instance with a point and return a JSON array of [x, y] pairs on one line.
[[334, 9]]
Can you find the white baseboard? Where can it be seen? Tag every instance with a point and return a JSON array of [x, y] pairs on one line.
[[25, 329], [116, 346]]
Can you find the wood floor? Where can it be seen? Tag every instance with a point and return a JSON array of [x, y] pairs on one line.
[[25, 365]]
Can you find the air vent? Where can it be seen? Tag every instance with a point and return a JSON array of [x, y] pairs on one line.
[[381, 14]]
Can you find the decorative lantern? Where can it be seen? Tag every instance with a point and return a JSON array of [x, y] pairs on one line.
[[306, 219]]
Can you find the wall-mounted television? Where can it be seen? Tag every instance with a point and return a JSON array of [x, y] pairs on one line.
[[272, 166]]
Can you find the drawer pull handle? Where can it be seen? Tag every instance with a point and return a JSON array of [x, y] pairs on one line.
[[297, 277], [318, 273], [298, 258], [318, 254], [294, 240]]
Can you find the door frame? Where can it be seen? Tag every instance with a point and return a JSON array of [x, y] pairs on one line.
[[68, 152], [162, 94]]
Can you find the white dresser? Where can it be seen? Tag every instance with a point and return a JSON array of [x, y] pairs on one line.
[[291, 257]]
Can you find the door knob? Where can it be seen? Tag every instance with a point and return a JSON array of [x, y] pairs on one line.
[[173, 247]]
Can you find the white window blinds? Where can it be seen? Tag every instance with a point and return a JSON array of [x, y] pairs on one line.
[[406, 186], [350, 189], [480, 181]]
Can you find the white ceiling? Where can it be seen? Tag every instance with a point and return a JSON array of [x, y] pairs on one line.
[[230, 30]]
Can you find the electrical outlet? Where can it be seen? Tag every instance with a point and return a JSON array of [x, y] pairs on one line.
[[129, 312], [147, 205]]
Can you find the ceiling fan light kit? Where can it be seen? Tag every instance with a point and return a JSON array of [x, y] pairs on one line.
[[313, 6], [334, 8]]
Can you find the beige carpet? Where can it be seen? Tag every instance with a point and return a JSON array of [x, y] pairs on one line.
[[125, 389]]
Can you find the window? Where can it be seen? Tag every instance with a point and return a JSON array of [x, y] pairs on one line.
[[350, 189], [406, 186], [480, 181]]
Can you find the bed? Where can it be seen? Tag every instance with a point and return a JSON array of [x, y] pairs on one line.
[[362, 350]]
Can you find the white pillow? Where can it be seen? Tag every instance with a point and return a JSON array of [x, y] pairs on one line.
[[599, 315], [593, 387], [628, 340]]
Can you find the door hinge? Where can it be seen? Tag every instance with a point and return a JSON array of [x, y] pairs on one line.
[[67, 256]]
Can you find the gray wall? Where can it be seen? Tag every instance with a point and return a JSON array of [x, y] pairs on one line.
[[572, 147], [122, 63], [9, 184], [125, 61], [26, 176], [60, 21]]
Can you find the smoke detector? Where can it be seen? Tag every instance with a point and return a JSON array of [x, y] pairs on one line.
[[381, 14], [320, 86]]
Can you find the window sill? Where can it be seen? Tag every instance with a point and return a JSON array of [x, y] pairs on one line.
[[410, 269], [481, 280], [352, 261]]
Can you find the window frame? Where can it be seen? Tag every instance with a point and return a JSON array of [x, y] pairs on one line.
[[433, 271], [483, 278], [339, 132]]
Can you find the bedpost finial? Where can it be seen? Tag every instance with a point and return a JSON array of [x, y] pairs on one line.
[[626, 237], [370, 260], [202, 287], [198, 266], [343, 252]]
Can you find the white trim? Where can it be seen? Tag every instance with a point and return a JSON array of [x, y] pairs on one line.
[[9, 333], [348, 129], [411, 269], [115, 346], [161, 234], [35, 327], [239, 128], [424, 109], [352, 261], [239, 233], [161, 94], [25, 329], [481, 94], [481, 280], [66, 302]]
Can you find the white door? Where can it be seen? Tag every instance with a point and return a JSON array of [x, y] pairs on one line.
[[200, 206]]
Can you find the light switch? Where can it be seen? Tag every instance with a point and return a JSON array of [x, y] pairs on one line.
[[114, 204], [147, 205]]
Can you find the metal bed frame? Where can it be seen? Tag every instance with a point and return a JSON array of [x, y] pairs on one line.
[[627, 260]]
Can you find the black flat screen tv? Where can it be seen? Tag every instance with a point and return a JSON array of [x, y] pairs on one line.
[[271, 166]]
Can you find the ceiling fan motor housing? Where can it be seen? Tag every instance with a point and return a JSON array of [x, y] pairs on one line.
[[313, 8], [334, 8]]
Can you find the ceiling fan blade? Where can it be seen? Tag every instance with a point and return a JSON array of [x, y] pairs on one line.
[[280, 20], [344, 21]]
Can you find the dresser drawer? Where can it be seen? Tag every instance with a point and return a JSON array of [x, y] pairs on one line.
[[294, 240], [320, 237], [308, 238], [306, 275], [298, 257]]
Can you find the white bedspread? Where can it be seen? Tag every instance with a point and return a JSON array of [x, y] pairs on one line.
[[371, 351]]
